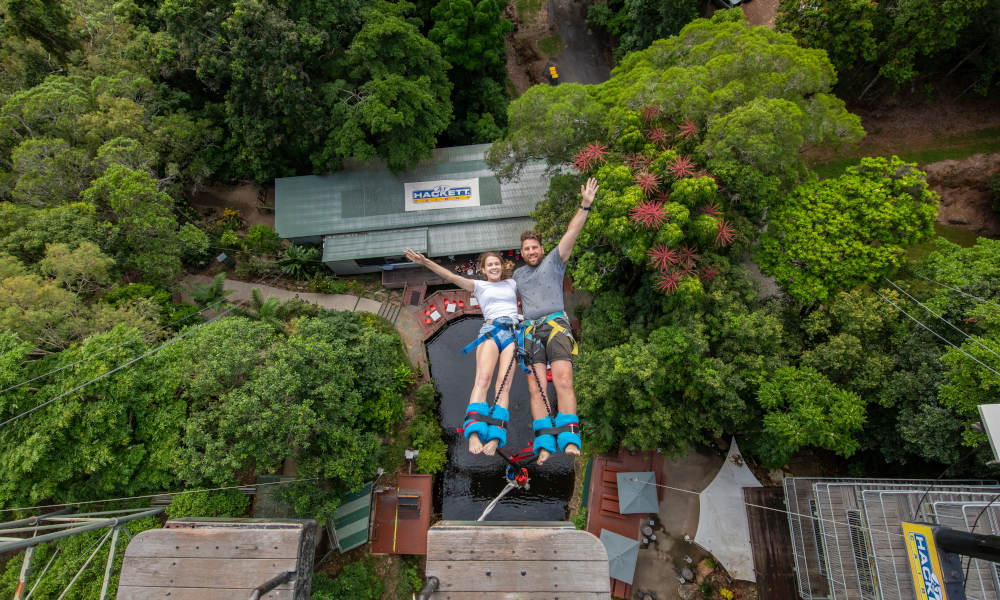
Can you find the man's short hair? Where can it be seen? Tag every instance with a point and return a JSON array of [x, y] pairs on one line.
[[531, 234]]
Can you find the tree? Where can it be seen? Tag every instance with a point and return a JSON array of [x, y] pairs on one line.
[[26, 232], [398, 101], [82, 271], [43, 20], [753, 70], [804, 409], [144, 235], [635, 24], [49, 172], [470, 35], [899, 42], [840, 233]]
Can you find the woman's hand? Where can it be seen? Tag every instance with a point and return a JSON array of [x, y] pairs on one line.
[[416, 257]]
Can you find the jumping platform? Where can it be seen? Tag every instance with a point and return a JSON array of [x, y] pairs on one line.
[[523, 560]]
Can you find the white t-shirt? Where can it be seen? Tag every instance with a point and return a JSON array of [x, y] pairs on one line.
[[496, 298]]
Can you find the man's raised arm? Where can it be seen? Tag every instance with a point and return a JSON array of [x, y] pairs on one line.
[[568, 240]]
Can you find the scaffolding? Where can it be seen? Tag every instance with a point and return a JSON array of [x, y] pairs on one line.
[[23, 534]]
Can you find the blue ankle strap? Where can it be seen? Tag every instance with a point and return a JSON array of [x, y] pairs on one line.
[[497, 431], [570, 436], [473, 422], [545, 441]]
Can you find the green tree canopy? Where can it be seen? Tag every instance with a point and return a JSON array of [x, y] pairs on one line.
[[840, 233]]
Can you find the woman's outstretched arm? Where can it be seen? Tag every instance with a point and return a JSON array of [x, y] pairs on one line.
[[466, 284]]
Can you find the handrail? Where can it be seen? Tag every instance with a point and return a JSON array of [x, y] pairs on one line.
[[271, 584]]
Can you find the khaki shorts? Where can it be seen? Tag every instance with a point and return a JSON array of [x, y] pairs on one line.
[[548, 344]]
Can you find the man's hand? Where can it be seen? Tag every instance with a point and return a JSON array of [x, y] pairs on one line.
[[588, 192]]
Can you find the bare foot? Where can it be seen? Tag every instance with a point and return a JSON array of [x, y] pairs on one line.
[[543, 455], [572, 450], [491, 447], [475, 446]]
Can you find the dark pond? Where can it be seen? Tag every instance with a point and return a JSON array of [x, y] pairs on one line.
[[470, 482]]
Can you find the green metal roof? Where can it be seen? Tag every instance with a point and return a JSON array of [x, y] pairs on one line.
[[438, 240], [350, 522], [366, 198], [373, 244]]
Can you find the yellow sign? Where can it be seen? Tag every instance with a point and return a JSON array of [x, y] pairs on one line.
[[925, 565], [552, 72]]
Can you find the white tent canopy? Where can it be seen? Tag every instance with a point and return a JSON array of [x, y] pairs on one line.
[[723, 528]]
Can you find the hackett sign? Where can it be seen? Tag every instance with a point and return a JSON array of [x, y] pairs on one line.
[[445, 193]]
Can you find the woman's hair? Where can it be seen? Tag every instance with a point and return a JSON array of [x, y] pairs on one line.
[[508, 266]]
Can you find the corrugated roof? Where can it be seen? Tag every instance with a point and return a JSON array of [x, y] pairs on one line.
[[350, 522], [373, 244], [371, 198], [466, 238]]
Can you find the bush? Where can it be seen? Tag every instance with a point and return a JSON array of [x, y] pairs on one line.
[[224, 503], [358, 581], [427, 398], [580, 519], [257, 266], [426, 434], [261, 239]]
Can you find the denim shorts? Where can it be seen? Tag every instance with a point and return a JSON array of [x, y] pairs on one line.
[[501, 336]]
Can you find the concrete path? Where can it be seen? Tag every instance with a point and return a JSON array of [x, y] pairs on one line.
[[406, 325]]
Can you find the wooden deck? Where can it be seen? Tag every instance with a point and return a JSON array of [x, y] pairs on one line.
[[771, 543], [204, 559], [527, 561]]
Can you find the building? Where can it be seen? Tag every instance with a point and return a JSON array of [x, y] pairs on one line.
[[449, 205], [848, 542]]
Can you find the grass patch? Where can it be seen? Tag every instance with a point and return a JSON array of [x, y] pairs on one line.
[[527, 9], [984, 141], [552, 45]]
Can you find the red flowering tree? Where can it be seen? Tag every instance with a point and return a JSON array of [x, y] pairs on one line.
[[592, 154], [726, 233], [647, 181], [662, 257], [687, 129], [667, 282], [681, 167], [658, 136], [649, 213]]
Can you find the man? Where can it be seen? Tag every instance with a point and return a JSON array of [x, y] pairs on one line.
[[549, 340]]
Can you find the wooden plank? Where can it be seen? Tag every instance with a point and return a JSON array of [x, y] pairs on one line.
[[568, 576], [215, 543], [521, 596], [204, 572], [771, 545], [512, 543], [128, 592]]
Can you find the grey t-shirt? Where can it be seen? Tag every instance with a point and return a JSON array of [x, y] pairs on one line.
[[541, 287]]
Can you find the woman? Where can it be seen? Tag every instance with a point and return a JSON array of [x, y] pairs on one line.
[[486, 429]]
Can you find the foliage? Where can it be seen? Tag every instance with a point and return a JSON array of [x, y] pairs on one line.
[[635, 24], [204, 295], [298, 262], [803, 408], [426, 398], [839, 233], [357, 581], [261, 239], [580, 519], [72, 552], [994, 185], [426, 433], [902, 42], [144, 233], [222, 503], [754, 74]]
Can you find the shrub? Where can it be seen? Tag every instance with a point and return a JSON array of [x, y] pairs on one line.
[[580, 519], [358, 581], [426, 398], [261, 239], [224, 503], [426, 434]]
